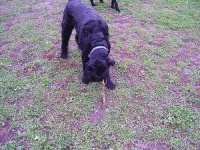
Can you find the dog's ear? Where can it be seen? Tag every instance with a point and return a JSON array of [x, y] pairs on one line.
[[111, 62]]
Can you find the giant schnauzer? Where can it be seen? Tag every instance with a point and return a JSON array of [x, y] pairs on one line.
[[114, 4], [92, 38]]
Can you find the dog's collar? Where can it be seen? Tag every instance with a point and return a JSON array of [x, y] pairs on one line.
[[95, 48]]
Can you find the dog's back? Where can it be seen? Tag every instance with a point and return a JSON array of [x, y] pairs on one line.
[[84, 16], [82, 11]]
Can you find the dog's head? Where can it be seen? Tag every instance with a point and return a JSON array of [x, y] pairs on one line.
[[96, 70]]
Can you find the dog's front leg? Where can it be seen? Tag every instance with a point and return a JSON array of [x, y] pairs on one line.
[[109, 83], [114, 5], [85, 78], [67, 27]]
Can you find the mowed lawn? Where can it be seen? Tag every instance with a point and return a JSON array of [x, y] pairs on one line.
[[156, 105]]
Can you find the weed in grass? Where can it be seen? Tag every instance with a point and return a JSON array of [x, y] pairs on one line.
[[66, 73], [196, 75], [179, 66], [36, 108], [160, 133], [188, 90], [13, 145], [148, 62], [127, 134], [65, 141], [120, 45], [10, 88], [126, 92], [45, 81], [173, 79], [140, 91], [75, 56], [161, 90], [34, 39], [6, 112], [71, 72], [7, 37], [121, 38], [3, 18], [5, 62], [2, 27], [26, 29], [123, 67], [43, 47], [160, 51], [176, 143], [109, 19], [10, 47], [38, 138]]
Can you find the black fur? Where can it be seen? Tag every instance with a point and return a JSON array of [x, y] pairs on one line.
[[92, 31], [114, 4]]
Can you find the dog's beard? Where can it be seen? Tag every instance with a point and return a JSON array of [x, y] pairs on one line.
[[93, 77]]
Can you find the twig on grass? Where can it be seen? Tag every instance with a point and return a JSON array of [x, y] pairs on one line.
[[103, 91]]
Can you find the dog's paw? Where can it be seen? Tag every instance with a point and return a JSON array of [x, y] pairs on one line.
[[117, 9], [64, 56], [85, 80], [110, 85]]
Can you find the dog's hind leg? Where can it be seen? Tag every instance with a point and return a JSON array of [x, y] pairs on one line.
[[114, 5], [67, 27], [76, 38]]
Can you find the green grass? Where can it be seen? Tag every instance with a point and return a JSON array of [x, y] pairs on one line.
[[155, 45], [180, 117]]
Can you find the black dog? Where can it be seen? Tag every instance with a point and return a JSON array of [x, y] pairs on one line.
[[114, 4], [92, 38]]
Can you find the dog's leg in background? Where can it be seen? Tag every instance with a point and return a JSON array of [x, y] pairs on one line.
[[101, 1], [114, 5], [67, 27], [92, 2]]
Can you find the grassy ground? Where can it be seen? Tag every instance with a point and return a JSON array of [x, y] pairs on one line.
[[156, 105]]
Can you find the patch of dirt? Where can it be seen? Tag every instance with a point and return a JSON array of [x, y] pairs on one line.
[[158, 41], [48, 55], [129, 146], [188, 52], [152, 146], [6, 134], [99, 114], [124, 19]]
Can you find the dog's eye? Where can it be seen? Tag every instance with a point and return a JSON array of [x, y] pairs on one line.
[[90, 68]]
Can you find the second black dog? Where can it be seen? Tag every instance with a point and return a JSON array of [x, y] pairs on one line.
[[92, 38], [114, 4]]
